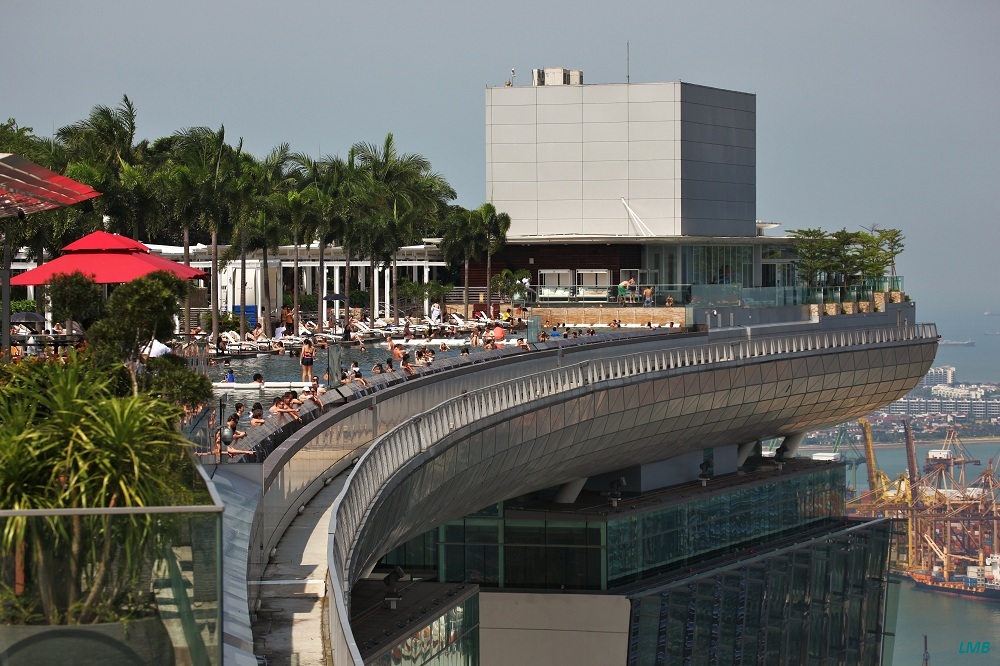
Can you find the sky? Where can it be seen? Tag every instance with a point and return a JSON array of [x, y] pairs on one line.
[[867, 112]]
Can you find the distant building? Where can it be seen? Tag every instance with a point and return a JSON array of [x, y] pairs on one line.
[[943, 375]]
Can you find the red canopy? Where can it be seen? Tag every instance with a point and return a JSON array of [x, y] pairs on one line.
[[27, 188], [101, 241], [108, 259]]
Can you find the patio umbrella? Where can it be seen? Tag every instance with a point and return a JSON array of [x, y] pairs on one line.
[[108, 259], [27, 318]]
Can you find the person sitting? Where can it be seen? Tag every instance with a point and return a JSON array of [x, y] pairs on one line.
[[404, 364], [669, 302], [231, 451], [279, 408], [316, 388], [257, 415]]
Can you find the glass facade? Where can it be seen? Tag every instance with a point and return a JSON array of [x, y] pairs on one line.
[[449, 640], [821, 603], [494, 550]]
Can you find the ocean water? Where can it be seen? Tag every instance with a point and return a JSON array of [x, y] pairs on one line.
[[967, 322]]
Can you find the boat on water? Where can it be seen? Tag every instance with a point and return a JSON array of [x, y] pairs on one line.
[[957, 343], [981, 582]]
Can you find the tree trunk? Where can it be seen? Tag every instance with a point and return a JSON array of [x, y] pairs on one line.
[[215, 286], [243, 284], [372, 305], [489, 294], [395, 293], [267, 295], [295, 289], [466, 281], [187, 262], [347, 292]]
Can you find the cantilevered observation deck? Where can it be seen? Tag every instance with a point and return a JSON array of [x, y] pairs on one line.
[[427, 451]]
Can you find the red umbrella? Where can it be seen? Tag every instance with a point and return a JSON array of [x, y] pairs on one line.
[[101, 241], [108, 259]]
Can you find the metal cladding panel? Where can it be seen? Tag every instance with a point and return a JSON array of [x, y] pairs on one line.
[[600, 429]]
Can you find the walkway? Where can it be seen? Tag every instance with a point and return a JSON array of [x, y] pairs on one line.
[[290, 623]]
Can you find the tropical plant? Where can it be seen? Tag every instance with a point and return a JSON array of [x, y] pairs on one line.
[[75, 297], [463, 240], [139, 311], [508, 283], [496, 226], [67, 442]]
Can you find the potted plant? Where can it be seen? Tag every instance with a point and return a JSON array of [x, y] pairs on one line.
[[69, 442]]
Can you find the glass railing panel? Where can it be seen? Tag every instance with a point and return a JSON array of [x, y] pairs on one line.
[[136, 585]]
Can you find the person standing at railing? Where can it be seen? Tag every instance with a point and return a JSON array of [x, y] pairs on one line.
[[647, 297]]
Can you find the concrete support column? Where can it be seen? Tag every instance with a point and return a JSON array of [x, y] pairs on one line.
[[376, 286], [569, 491], [427, 278], [790, 445], [388, 294], [744, 451]]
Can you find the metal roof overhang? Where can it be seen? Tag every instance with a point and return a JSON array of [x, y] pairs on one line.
[[30, 188]]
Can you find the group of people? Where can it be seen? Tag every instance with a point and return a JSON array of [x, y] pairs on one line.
[[628, 290]]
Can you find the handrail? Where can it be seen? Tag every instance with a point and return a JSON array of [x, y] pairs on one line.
[[389, 453]]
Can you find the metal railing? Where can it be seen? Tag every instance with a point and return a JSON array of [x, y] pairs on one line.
[[389, 453]]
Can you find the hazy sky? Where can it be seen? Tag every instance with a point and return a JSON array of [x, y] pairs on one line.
[[868, 113]]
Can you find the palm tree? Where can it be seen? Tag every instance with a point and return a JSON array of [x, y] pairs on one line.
[[211, 160], [102, 150], [463, 239], [405, 193], [496, 226]]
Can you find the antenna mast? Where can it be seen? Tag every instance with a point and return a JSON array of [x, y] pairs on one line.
[[627, 64]]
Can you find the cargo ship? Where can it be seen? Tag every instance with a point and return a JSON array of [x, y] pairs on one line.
[[957, 343], [982, 582]]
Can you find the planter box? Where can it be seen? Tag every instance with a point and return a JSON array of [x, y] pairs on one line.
[[864, 306], [142, 641], [881, 298], [896, 296], [850, 307], [831, 308]]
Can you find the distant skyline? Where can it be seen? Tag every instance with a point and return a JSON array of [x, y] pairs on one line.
[[867, 113]]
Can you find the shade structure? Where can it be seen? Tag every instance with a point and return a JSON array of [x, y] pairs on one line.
[[102, 241], [26, 188], [107, 259]]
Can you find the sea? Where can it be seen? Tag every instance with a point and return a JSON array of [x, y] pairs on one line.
[[977, 364]]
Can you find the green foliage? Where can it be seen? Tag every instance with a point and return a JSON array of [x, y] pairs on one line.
[[229, 322], [27, 305], [359, 299], [845, 257], [67, 441], [307, 302], [415, 292], [137, 312], [507, 283], [75, 297], [168, 378]]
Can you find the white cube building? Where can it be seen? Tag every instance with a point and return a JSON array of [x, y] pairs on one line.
[[560, 159]]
